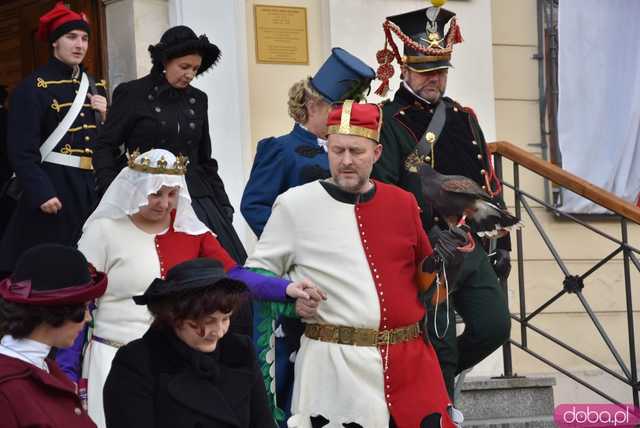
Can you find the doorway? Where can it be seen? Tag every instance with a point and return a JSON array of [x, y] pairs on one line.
[[22, 52]]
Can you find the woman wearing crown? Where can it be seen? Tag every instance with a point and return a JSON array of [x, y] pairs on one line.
[[143, 226], [163, 110]]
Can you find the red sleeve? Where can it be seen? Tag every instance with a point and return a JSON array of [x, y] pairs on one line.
[[424, 245], [210, 247]]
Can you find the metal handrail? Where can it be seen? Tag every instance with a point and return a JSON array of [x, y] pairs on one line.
[[572, 284], [567, 180]]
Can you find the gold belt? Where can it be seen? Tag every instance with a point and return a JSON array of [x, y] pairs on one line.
[[361, 336]]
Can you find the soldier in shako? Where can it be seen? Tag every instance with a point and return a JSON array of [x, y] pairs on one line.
[[53, 121], [420, 114]]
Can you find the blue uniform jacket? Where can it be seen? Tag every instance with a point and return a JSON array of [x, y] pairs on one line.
[[38, 104], [281, 163]]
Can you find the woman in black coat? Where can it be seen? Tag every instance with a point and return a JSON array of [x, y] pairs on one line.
[[186, 371], [163, 111]]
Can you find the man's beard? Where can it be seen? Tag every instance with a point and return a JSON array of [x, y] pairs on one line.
[[349, 185]]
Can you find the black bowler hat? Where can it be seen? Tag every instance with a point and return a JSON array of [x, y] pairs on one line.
[[426, 46], [179, 41], [53, 275], [191, 275]]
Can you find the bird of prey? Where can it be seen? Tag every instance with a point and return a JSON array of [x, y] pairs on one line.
[[459, 198]]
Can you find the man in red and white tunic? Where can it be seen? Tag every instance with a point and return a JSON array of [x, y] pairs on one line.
[[363, 361]]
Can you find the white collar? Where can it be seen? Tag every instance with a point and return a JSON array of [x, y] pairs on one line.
[[27, 350], [408, 88], [320, 141]]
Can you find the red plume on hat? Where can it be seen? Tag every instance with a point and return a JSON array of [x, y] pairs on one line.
[[60, 20]]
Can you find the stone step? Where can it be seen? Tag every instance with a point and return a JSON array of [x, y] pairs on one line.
[[507, 402]]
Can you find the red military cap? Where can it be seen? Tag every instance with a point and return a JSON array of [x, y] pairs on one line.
[[362, 120], [60, 20]]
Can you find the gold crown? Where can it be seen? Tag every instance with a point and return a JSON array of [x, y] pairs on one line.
[[161, 166]]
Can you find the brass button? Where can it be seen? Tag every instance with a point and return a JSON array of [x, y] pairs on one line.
[[402, 112], [155, 88], [455, 109], [191, 111], [479, 157], [87, 138], [77, 411], [163, 123], [158, 109], [150, 97], [81, 114], [192, 100], [427, 158], [192, 125], [474, 142], [85, 126]]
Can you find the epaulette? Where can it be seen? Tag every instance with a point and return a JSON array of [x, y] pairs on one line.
[[470, 111]]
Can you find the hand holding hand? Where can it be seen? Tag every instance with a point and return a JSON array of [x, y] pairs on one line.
[[308, 297], [306, 308], [52, 206], [305, 289]]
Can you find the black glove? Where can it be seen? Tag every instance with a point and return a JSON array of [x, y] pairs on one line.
[[445, 245], [228, 211], [501, 262]]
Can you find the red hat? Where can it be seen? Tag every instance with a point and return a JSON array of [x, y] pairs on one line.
[[60, 20], [53, 275], [362, 120]]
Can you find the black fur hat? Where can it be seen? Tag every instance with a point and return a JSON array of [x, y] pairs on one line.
[[179, 41]]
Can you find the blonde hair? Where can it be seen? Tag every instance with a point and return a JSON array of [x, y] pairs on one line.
[[299, 95]]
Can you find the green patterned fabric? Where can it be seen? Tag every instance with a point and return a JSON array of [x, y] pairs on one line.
[[265, 315]]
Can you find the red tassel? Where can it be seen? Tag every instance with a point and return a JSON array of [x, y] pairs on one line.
[[383, 88], [457, 34]]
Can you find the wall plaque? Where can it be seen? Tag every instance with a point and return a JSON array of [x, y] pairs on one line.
[[281, 34]]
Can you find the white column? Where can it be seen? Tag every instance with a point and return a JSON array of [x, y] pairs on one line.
[[226, 84], [132, 25], [121, 52]]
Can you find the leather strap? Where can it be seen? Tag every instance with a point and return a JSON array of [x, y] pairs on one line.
[[52, 141], [431, 135], [424, 149]]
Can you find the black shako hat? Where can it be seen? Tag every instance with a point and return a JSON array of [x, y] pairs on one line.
[[426, 45], [191, 275], [179, 41], [53, 275]]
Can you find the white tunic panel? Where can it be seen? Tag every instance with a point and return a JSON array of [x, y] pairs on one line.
[[128, 255]]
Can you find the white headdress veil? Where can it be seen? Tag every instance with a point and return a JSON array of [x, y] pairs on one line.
[[129, 191]]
